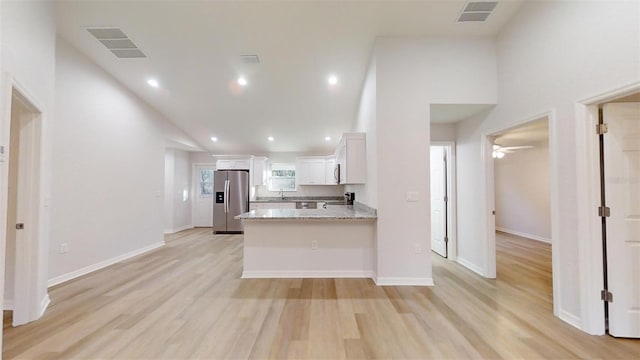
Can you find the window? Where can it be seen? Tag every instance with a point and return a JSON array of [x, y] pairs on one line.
[[283, 177], [206, 182]]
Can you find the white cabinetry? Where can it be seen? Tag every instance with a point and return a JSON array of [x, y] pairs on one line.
[[236, 164], [259, 170], [316, 170], [351, 156], [310, 170]]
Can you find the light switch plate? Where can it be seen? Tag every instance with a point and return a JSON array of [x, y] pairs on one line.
[[413, 196]]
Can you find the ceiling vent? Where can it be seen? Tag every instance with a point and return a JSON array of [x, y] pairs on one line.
[[117, 42], [250, 59], [477, 11]]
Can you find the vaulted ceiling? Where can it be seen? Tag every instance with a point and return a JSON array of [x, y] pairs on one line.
[[193, 50]]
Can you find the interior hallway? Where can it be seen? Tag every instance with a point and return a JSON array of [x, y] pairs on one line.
[[186, 300]]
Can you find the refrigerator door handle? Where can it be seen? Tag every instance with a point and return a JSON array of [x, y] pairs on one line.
[[226, 196]]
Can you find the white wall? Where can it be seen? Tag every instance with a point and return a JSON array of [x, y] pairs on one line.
[[181, 183], [169, 161], [108, 152], [366, 122], [411, 74], [27, 48], [550, 55], [522, 194], [443, 132], [201, 157]]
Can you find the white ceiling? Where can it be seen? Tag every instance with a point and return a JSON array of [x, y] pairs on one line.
[[193, 50], [531, 133]]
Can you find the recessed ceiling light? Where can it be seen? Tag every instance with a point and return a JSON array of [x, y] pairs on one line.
[[153, 83], [270, 138], [242, 81], [332, 80], [327, 138], [214, 139]]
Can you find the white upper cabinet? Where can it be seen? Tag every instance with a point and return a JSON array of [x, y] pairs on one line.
[[310, 170], [351, 155], [244, 164], [322, 170], [259, 170]]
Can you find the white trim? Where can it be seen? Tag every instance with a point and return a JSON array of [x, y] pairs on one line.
[[404, 281], [8, 304], [102, 264], [612, 94], [570, 319], [181, 228], [31, 212], [524, 235], [452, 210], [307, 274], [44, 304], [469, 265], [487, 205], [588, 190]]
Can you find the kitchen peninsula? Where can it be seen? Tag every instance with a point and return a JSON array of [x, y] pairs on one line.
[[305, 243]]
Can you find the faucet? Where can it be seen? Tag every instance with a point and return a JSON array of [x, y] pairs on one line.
[[282, 193]]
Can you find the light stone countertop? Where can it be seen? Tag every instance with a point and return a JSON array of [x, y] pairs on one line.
[[337, 212]]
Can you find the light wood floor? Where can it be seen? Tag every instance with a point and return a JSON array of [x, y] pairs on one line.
[[186, 301]]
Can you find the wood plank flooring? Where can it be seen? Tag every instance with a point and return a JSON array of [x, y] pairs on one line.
[[186, 300]]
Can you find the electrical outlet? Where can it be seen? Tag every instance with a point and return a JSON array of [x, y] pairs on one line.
[[418, 249], [314, 245], [64, 248]]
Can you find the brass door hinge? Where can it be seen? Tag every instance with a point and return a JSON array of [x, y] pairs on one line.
[[601, 129]]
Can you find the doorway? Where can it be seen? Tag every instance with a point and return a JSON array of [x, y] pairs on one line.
[[522, 199], [23, 211], [442, 180], [529, 134]]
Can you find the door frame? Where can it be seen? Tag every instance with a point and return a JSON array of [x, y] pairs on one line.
[[450, 149], [487, 199], [589, 228], [30, 262]]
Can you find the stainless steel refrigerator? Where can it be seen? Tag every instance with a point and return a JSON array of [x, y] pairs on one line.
[[231, 190]]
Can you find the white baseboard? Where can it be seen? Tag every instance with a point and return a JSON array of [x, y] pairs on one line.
[[44, 303], [7, 304], [307, 274], [570, 319], [102, 264], [181, 228], [525, 235], [469, 265], [403, 281]]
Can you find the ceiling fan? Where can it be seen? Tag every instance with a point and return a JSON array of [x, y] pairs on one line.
[[500, 151]]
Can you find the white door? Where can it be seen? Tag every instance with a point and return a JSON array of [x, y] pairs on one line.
[[203, 200], [622, 191], [438, 193]]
